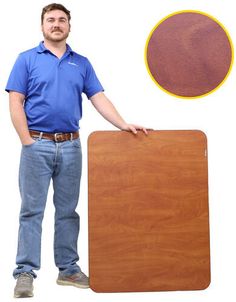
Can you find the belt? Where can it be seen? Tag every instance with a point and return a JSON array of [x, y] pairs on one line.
[[56, 137]]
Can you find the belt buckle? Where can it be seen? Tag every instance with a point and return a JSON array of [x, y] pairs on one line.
[[57, 137]]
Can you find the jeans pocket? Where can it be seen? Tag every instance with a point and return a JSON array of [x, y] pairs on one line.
[[30, 145], [76, 143]]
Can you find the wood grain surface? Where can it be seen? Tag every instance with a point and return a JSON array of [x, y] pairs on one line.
[[189, 54], [148, 211]]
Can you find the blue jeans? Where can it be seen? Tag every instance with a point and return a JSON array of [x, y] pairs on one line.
[[40, 163]]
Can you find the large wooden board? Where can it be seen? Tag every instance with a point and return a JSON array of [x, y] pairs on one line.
[[148, 211]]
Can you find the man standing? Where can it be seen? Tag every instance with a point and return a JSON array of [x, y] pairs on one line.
[[45, 88]]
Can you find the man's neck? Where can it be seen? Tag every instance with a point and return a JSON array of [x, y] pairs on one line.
[[57, 48]]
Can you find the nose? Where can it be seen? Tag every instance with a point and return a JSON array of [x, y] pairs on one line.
[[56, 24], [56, 27]]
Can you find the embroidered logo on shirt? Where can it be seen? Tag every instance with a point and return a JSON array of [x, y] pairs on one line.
[[74, 64]]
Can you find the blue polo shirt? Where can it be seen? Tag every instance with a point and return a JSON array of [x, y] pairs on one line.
[[53, 88]]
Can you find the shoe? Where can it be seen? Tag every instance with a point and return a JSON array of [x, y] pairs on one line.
[[78, 280], [24, 286]]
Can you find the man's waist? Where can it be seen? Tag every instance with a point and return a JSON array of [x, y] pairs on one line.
[[56, 137]]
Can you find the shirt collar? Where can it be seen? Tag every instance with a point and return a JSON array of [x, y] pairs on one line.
[[41, 48]]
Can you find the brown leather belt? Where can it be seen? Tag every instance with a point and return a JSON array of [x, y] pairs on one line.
[[56, 137]]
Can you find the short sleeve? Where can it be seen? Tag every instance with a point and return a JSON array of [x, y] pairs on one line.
[[91, 84], [18, 79]]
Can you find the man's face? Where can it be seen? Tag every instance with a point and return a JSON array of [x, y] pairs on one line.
[[56, 26]]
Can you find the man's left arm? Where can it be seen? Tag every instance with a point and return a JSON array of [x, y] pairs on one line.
[[105, 107]]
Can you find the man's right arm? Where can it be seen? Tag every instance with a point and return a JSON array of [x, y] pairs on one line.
[[18, 117]]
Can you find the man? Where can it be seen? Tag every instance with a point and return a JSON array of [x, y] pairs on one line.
[[45, 88]]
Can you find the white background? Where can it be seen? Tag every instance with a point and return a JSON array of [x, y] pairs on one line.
[[112, 34]]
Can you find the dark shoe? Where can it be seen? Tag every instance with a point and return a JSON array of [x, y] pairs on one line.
[[78, 280], [24, 286]]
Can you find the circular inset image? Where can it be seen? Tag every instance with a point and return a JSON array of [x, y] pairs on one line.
[[189, 54]]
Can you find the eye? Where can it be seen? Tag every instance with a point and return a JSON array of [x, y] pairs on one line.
[[63, 20], [50, 20]]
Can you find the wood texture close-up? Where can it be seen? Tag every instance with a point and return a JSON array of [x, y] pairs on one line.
[[148, 211], [189, 54]]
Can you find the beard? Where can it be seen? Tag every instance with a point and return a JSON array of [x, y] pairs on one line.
[[50, 36]]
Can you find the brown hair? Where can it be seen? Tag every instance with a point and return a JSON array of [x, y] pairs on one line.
[[55, 6]]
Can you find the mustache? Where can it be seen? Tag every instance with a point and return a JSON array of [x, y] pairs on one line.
[[57, 30]]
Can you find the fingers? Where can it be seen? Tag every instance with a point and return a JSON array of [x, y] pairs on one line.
[[144, 130], [134, 129]]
